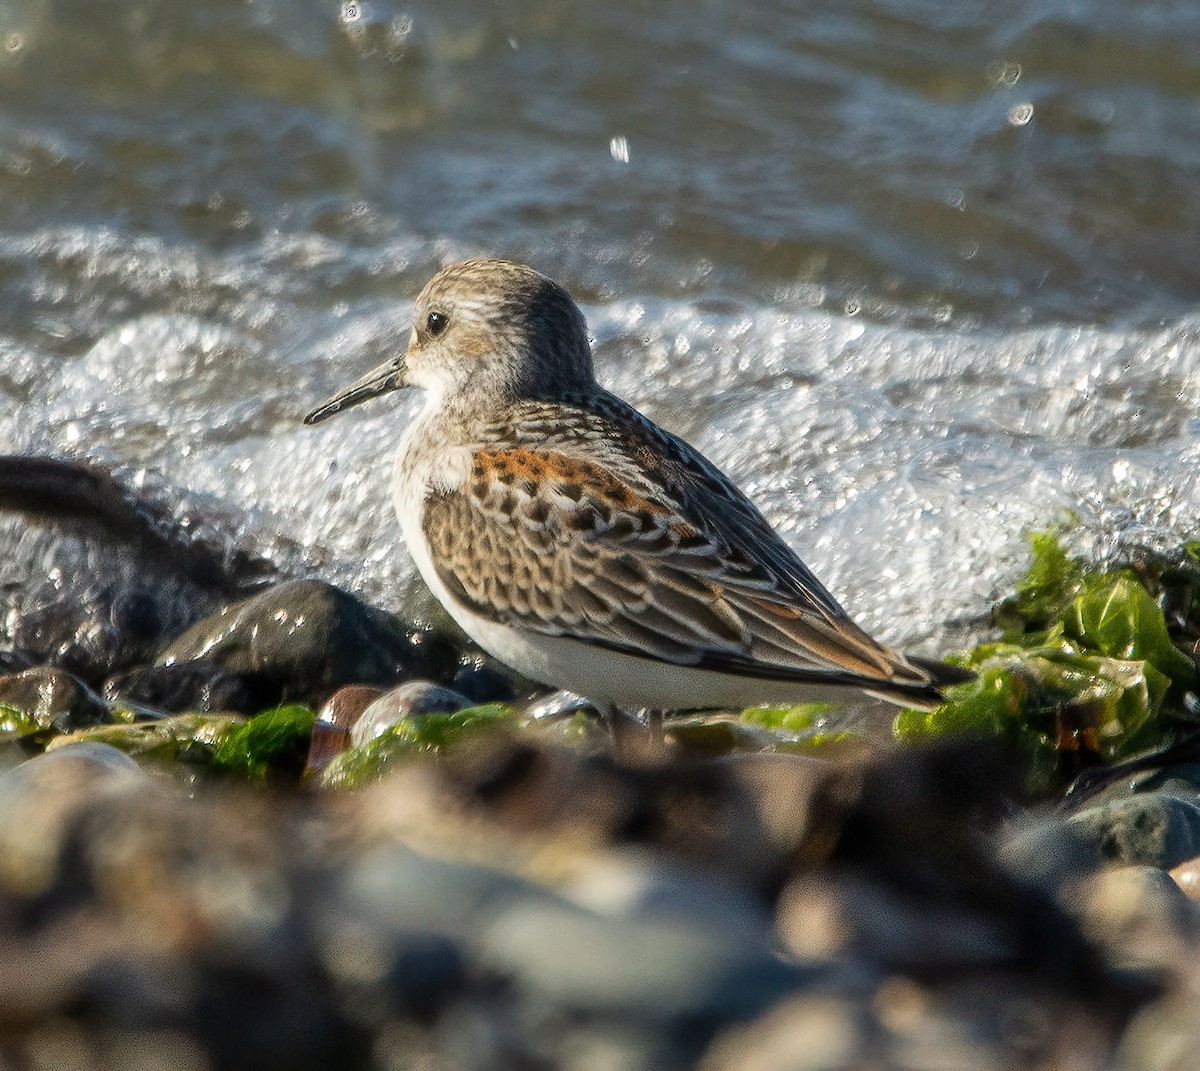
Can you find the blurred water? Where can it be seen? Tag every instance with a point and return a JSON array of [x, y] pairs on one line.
[[921, 277]]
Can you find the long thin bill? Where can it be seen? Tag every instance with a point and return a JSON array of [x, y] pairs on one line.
[[388, 376]]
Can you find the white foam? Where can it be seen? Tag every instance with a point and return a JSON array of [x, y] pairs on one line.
[[904, 465]]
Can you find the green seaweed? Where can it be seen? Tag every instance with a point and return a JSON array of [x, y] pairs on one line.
[[422, 734], [17, 722], [806, 728], [794, 719], [1088, 669], [272, 742], [186, 738]]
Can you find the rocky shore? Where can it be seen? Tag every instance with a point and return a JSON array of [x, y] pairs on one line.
[[247, 821]]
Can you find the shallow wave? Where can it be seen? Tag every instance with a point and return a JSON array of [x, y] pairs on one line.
[[919, 278], [905, 465]]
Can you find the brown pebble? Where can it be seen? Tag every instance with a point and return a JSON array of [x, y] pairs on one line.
[[1187, 877], [331, 730]]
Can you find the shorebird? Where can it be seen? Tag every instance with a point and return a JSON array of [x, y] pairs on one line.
[[584, 546]]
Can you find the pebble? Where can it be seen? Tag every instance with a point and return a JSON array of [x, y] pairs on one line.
[[38, 799], [1140, 916], [53, 698], [405, 701], [331, 730]]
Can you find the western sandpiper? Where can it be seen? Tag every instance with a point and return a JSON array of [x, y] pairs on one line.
[[587, 548]]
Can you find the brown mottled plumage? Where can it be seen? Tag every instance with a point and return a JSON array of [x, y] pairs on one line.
[[574, 539]]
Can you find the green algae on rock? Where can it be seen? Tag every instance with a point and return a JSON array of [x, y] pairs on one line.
[[805, 728], [16, 722], [273, 742], [421, 734], [1087, 668], [184, 738]]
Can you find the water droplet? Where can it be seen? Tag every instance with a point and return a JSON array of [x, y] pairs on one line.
[[1020, 114], [1005, 74]]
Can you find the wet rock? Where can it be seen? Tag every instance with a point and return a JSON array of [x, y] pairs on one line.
[[413, 738], [709, 734], [482, 682], [560, 704], [196, 685], [53, 698], [1148, 829], [135, 575], [331, 730], [436, 655], [303, 638], [405, 701], [1140, 916], [185, 738]]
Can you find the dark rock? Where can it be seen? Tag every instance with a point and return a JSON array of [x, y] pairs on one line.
[[15, 660], [331, 730], [406, 701], [436, 655], [137, 576], [199, 685], [54, 698], [427, 971], [304, 638], [481, 682], [1148, 829]]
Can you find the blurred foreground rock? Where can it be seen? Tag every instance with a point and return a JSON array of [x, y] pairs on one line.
[[515, 905]]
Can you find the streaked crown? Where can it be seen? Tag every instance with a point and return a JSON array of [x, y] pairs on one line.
[[502, 327]]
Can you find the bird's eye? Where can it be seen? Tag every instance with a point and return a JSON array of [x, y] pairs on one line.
[[436, 323]]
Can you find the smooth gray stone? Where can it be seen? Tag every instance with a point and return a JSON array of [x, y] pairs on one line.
[[635, 969], [405, 701]]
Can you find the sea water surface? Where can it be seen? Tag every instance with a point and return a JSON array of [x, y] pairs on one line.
[[920, 276]]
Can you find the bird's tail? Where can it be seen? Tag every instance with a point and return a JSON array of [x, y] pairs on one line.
[[924, 690]]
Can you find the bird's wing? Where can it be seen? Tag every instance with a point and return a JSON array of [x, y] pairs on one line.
[[612, 535]]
